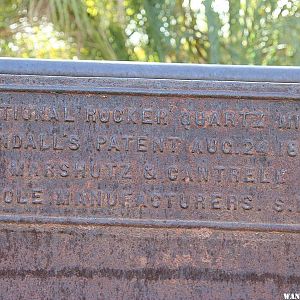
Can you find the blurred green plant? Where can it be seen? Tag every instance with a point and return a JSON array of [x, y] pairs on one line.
[[264, 32]]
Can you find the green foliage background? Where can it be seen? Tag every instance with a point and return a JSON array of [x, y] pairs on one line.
[[264, 32]]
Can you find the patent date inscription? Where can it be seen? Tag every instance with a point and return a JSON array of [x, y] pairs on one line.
[[149, 157]]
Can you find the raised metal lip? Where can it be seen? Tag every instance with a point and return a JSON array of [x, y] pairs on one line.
[[149, 223], [122, 69]]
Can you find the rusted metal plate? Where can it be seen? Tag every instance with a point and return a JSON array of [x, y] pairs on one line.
[[149, 188]]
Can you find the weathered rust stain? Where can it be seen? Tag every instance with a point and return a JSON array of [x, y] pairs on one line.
[[150, 274]]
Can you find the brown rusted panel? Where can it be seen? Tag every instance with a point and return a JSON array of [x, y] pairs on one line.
[[148, 188]]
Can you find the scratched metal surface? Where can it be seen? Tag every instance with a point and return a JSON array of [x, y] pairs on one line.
[[148, 188]]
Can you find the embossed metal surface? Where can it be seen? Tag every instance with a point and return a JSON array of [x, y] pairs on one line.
[[135, 188]]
